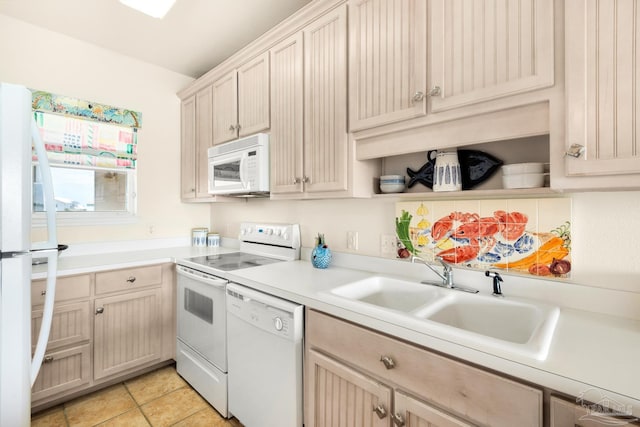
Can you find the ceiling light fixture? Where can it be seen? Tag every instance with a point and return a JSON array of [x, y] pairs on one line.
[[154, 8]]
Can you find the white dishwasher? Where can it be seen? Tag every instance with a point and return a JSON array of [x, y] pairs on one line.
[[264, 349]]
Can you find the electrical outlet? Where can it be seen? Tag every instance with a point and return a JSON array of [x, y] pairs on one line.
[[352, 240], [388, 244]]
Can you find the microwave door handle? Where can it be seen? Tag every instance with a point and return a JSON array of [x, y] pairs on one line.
[[243, 172]]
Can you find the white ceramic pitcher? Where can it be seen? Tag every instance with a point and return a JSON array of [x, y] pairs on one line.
[[446, 172]]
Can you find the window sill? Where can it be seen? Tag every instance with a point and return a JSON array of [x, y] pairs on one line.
[[71, 219]]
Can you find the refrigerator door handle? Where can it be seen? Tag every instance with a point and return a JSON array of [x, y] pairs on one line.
[[47, 184], [52, 255], [47, 315]]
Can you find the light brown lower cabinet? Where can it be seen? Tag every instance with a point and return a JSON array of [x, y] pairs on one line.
[[359, 377], [126, 332], [568, 414], [63, 370], [105, 326]]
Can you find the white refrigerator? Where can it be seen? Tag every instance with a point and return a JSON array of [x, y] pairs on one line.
[[18, 369]]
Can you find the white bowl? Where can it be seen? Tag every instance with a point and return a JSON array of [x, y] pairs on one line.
[[523, 180], [392, 178], [521, 168], [392, 187]]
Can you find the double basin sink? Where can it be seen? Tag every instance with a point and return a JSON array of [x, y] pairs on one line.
[[511, 325]]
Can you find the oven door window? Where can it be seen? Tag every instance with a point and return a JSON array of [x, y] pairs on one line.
[[199, 305]]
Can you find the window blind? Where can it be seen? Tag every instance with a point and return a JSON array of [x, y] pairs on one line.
[[78, 142]]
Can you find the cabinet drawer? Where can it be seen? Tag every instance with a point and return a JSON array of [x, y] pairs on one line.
[[61, 371], [459, 388], [128, 279], [70, 325], [67, 288]]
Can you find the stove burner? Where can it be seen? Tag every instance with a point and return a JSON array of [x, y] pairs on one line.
[[232, 261]]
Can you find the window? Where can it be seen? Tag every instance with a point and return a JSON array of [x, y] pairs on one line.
[[92, 162]]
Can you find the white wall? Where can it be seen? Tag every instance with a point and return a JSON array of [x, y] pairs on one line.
[[605, 230], [41, 59]]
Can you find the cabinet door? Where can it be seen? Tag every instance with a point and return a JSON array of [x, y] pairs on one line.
[[568, 414], [602, 76], [340, 396], [69, 325], [285, 142], [325, 115], [225, 108], [204, 136], [387, 61], [61, 371], [485, 49], [253, 96], [127, 331], [188, 148], [415, 413]]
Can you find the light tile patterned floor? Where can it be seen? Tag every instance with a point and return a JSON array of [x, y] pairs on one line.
[[159, 399]]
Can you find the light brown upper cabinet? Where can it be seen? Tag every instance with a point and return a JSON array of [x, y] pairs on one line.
[[387, 61], [481, 50], [196, 138], [241, 101], [325, 103], [602, 79], [286, 139]]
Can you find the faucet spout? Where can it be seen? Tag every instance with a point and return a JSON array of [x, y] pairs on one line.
[[446, 275]]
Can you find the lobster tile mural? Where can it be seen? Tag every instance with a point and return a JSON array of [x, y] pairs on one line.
[[522, 235]]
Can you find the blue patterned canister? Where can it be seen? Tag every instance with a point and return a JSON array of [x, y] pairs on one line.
[[321, 256]]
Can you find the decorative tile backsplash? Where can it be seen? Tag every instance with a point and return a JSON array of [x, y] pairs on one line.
[[522, 235]]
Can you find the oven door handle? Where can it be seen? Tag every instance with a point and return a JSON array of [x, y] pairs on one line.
[[208, 280]]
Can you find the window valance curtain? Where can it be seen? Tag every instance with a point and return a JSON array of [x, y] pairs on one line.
[[80, 133]]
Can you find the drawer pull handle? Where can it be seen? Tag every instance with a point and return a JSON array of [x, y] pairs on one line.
[[99, 310], [47, 359], [398, 419], [43, 293], [380, 411], [388, 362], [131, 279]]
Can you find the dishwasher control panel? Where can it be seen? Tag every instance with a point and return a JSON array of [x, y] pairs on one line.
[[265, 312]]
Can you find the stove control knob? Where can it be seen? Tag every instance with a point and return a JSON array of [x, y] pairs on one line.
[[277, 322], [285, 236], [278, 232], [269, 231]]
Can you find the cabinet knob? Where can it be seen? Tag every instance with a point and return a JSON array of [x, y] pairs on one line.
[[380, 411], [306, 179], [435, 91], [47, 359], [99, 310], [418, 96], [575, 150], [397, 419], [238, 126], [297, 180], [387, 362], [43, 293], [131, 279]]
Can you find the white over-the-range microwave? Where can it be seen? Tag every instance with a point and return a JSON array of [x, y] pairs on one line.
[[240, 167]]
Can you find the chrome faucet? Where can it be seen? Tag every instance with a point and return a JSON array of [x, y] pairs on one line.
[[446, 275]]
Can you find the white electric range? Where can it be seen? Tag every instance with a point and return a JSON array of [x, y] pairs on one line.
[[201, 357]]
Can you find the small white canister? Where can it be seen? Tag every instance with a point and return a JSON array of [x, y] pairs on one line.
[[446, 172], [199, 237], [213, 240]]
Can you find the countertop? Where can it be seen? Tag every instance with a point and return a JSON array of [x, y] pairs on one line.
[[593, 354]]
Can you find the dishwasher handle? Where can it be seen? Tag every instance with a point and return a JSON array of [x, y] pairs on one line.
[[207, 279]]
